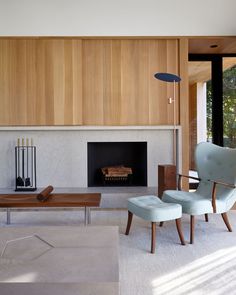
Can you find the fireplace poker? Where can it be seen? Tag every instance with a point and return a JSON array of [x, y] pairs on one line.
[[19, 180], [27, 180]]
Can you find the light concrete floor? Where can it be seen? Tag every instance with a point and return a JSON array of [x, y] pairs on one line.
[[68, 259]]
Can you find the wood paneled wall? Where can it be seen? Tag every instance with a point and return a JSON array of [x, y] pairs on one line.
[[118, 83], [40, 82], [86, 81]]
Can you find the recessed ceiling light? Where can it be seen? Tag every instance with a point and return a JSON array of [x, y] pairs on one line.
[[213, 46]]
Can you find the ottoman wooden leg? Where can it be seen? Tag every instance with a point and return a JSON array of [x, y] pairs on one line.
[[153, 245], [129, 221], [206, 217], [161, 223], [179, 229]]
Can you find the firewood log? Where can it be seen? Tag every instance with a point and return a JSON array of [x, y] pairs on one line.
[[44, 195]]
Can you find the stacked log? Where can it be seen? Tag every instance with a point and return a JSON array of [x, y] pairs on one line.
[[116, 171]]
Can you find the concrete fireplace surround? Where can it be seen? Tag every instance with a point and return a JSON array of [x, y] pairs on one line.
[[62, 151]]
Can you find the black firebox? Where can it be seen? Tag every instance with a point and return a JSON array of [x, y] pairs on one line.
[[127, 154]]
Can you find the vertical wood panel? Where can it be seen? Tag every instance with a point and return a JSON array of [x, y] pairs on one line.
[[49, 82], [93, 82], [172, 67], [158, 89], [128, 89], [112, 82], [101, 82], [40, 117], [68, 108], [77, 81], [18, 82], [184, 105], [163, 58], [135, 69], [4, 87], [134, 81], [31, 81], [59, 80], [142, 98]]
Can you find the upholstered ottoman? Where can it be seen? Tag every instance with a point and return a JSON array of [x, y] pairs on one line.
[[153, 209]]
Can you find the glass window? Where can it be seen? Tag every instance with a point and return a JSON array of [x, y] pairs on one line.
[[229, 101]]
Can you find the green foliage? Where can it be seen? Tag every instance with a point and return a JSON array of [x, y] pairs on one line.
[[229, 107], [209, 110]]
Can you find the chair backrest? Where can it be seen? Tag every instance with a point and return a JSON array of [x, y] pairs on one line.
[[215, 162]]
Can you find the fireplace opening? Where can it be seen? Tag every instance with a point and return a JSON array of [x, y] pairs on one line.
[[117, 163]]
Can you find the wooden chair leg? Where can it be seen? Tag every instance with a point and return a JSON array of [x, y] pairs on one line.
[[191, 229], [179, 229], [129, 221], [161, 223], [153, 245], [206, 217], [226, 221]]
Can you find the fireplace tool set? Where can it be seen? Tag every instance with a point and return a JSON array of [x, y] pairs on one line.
[[25, 164]]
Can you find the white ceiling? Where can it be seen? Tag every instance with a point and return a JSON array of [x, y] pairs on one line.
[[117, 18]]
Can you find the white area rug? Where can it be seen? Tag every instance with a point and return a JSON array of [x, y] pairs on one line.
[[207, 267]]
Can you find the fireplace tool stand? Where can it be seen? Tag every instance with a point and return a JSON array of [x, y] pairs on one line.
[[25, 167]]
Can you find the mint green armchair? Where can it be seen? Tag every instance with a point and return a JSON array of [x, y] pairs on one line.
[[216, 192]]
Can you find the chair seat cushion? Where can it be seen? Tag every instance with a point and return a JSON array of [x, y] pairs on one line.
[[193, 203], [153, 209]]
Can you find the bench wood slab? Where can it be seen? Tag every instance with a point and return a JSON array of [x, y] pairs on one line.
[[55, 200]]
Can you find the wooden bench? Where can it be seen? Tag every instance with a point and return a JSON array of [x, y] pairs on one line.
[[86, 200]]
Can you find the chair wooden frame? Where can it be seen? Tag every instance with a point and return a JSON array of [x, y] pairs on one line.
[[213, 197]]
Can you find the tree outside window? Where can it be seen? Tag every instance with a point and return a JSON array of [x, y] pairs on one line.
[[229, 108]]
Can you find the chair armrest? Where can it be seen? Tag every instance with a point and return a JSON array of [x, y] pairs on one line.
[[223, 183], [213, 196], [187, 176]]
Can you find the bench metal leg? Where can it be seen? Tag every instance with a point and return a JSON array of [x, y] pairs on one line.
[[8, 216], [87, 215]]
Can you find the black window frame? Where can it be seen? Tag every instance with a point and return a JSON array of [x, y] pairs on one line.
[[217, 92]]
